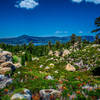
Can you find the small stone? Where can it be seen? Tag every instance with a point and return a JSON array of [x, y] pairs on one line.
[[49, 77], [69, 67]]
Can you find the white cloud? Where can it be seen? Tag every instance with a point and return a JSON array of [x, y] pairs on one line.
[[28, 4], [58, 32], [65, 31], [61, 32], [77, 1], [80, 31], [93, 1]]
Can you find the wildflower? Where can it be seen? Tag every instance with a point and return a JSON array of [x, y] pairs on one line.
[[51, 97], [51, 58], [60, 86], [95, 86], [68, 95], [84, 83], [47, 68], [30, 70], [78, 92], [51, 64], [5, 90], [87, 87], [36, 77], [61, 82], [90, 88], [79, 85], [66, 80], [18, 72], [36, 97], [88, 81], [78, 77], [41, 66], [49, 77], [56, 71], [64, 88], [73, 96]]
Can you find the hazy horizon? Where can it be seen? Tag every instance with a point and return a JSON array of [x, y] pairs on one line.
[[39, 36]]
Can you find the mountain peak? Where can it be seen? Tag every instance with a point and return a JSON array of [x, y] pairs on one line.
[[24, 36], [25, 39]]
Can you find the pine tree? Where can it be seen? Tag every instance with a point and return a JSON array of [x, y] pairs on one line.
[[97, 41], [29, 57], [49, 45], [30, 47], [23, 60], [79, 42], [57, 44], [97, 23], [73, 39]]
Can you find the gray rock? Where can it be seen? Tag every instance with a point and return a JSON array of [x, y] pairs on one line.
[[4, 81], [46, 93], [79, 64], [1, 77], [69, 67], [25, 94]]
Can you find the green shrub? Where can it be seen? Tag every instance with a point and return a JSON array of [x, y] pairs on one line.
[[5, 97], [15, 59]]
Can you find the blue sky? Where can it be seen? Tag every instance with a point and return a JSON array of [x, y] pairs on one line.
[[48, 17]]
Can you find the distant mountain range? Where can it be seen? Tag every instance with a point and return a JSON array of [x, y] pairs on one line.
[[25, 39]]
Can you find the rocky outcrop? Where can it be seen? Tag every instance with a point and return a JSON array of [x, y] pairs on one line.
[[5, 56], [2, 61], [69, 67], [25, 94], [17, 65], [65, 52], [6, 62], [7, 66], [47, 94], [55, 53], [4, 70], [59, 53], [50, 53]]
